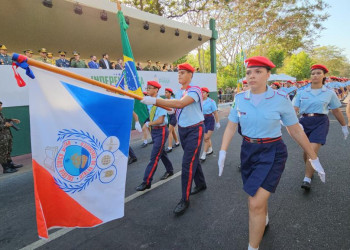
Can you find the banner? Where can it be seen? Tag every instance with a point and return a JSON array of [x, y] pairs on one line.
[[80, 142]]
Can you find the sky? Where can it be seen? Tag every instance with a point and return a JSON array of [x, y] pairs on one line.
[[337, 26]]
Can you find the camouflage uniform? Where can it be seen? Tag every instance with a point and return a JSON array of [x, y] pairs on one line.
[[5, 140], [78, 64]]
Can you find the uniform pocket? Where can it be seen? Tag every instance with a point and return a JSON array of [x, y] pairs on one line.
[[273, 116]]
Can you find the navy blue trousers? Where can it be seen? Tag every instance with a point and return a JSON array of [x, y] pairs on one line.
[[191, 139], [159, 137], [131, 153]]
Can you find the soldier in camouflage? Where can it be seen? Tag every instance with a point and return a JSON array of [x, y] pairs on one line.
[[6, 144]]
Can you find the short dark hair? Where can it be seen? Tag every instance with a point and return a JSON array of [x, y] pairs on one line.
[[0, 102], [104, 54], [91, 56]]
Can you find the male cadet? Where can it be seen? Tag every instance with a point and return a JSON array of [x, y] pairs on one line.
[[158, 121], [6, 144], [77, 62], [4, 58], [28, 53], [149, 66], [93, 64], [188, 104], [62, 62]]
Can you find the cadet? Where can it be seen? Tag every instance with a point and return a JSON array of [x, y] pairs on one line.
[[62, 62], [149, 66], [5, 59], [188, 104], [211, 121], [313, 104], [77, 62], [159, 132], [28, 53], [172, 124], [43, 55], [263, 153], [6, 144]]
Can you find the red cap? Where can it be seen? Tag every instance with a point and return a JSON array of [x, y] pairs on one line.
[[169, 90], [186, 66], [320, 66], [205, 89], [259, 61], [289, 81], [276, 83], [245, 82], [154, 84]]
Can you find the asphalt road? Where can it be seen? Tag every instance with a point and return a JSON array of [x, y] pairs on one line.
[[217, 218]]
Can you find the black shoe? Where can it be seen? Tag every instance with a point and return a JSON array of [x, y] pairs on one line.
[[132, 160], [210, 152], [202, 160], [143, 186], [181, 207], [167, 175], [8, 169], [168, 150], [144, 145], [176, 145], [198, 189], [306, 185], [12, 165], [151, 142]]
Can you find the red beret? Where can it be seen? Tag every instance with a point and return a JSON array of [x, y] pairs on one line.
[[169, 90], [205, 89], [154, 84], [245, 82], [259, 61], [319, 66], [276, 83], [186, 66]]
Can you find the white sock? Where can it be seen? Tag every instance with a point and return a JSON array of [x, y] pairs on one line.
[[204, 154], [170, 147], [252, 248], [307, 179], [145, 141], [267, 219], [210, 149]]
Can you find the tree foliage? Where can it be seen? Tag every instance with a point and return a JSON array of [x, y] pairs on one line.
[[298, 65]]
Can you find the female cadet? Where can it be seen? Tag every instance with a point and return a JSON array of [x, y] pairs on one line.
[[189, 114], [172, 124], [275, 85], [263, 153], [313, 104], [211, 119]]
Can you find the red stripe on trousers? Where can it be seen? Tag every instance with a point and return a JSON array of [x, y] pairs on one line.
[[191, 164], [157, 158]]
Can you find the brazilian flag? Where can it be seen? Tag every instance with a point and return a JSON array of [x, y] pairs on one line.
[[130, 73]]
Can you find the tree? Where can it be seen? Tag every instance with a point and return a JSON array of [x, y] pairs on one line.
[[298, 65], [277, 56]]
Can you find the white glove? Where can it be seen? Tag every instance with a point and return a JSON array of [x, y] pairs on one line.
[[138, 126], [221, 161], [318, 167], [171, 112], [148, 100], [147, 124], [345, 131], [217, 125], [301, 126]]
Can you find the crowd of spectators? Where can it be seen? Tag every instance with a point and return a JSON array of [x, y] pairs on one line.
[[76, 62]]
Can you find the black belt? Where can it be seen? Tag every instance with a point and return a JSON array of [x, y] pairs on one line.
[[207, 115], [313, 114], [261, 140]]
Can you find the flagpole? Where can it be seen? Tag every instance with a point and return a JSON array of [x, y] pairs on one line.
[[67, 73]]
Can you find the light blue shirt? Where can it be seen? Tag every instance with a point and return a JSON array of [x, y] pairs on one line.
[[263, 120], [209, 106], [159, 112], [316, 101], [191, 114]]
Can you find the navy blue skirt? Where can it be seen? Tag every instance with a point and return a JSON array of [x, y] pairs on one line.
[[172, 120], [316, 128], [262, 165], [209, 123]]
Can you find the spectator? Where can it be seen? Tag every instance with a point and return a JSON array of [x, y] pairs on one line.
[[62, 62], [220, 95], [175, 68], [104, 63], [149, 66], [164, 68], [138, 66], [6, 144], [119, 65], [157, 67], [4, 58], [171, 68], [77, 62], [43, 55], [112, 65], [93, 63], [50, 59], [198, 70], [28, 53]]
